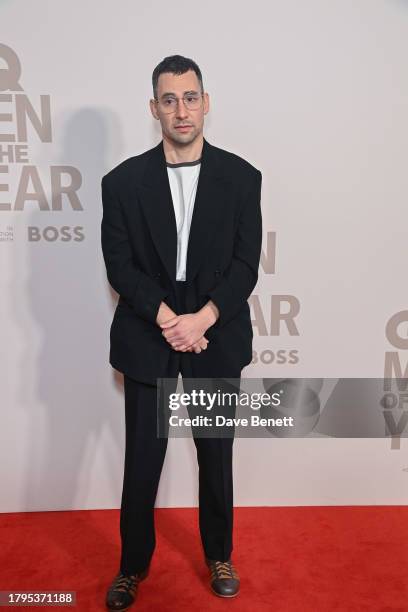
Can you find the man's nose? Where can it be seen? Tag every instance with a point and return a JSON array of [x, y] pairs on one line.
[[181, 108]]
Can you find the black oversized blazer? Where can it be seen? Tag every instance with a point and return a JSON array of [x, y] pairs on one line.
[[139, 245]]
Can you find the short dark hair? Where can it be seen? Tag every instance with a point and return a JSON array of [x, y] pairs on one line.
[[176, 64]]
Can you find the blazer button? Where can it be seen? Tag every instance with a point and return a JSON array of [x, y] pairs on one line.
[[217, 272], [158, 275]]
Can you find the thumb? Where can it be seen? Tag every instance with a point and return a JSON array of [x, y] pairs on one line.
[[170, 322]]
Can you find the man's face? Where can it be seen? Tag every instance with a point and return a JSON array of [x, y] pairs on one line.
[[176, 86]]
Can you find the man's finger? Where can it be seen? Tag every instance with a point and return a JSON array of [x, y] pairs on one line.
[[170, 322], [171, 336]]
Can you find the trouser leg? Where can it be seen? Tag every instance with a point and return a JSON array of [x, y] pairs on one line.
[[214, 457], [215, 462], [144, 458]]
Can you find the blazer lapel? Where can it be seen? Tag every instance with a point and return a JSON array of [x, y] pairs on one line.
[[157, 204], [158, 208], [207, 209]]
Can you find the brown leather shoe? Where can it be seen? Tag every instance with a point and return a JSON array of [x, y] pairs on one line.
[[122, 592], [224, 578]]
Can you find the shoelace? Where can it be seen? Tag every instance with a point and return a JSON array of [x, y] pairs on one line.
[[126, 583], [223, 569]]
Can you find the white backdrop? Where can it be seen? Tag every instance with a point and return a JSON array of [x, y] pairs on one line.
[[315, 95]]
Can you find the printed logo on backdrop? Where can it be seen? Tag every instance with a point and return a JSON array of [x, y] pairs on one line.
[[395, 400], [274, 315], [25, 120]]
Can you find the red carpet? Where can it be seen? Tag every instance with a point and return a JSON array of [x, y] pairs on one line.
[[313, 559]]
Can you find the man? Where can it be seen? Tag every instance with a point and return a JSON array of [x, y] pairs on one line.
[[181, 238]]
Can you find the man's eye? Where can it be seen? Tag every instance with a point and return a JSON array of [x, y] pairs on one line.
[[169, 101]]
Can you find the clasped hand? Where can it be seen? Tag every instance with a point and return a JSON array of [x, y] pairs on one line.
[[185, 331]]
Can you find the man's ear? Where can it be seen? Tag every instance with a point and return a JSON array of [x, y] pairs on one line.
[[206, 103], [153, 108]]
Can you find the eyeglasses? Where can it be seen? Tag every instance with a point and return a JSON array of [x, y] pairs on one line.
[[169, 104]]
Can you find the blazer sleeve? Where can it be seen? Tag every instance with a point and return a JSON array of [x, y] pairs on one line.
[[237, 284], [142, 293]]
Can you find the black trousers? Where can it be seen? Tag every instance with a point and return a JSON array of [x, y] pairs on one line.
[[144, 458]]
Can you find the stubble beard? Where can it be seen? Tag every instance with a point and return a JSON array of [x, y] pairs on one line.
[[184, 139]]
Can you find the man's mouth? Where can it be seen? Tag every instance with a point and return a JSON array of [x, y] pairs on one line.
[[183, 127]]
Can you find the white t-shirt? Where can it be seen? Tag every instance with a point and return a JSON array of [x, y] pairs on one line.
[[183, 179]]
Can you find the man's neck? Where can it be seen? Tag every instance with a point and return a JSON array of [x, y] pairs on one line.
[[177, 154]]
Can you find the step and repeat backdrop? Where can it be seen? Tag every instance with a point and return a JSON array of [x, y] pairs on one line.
[[313, 94]]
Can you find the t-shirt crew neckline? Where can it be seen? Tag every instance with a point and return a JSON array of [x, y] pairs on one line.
[[191, 163]]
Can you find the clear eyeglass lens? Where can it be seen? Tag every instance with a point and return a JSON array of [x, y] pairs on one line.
[[169, 105]]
